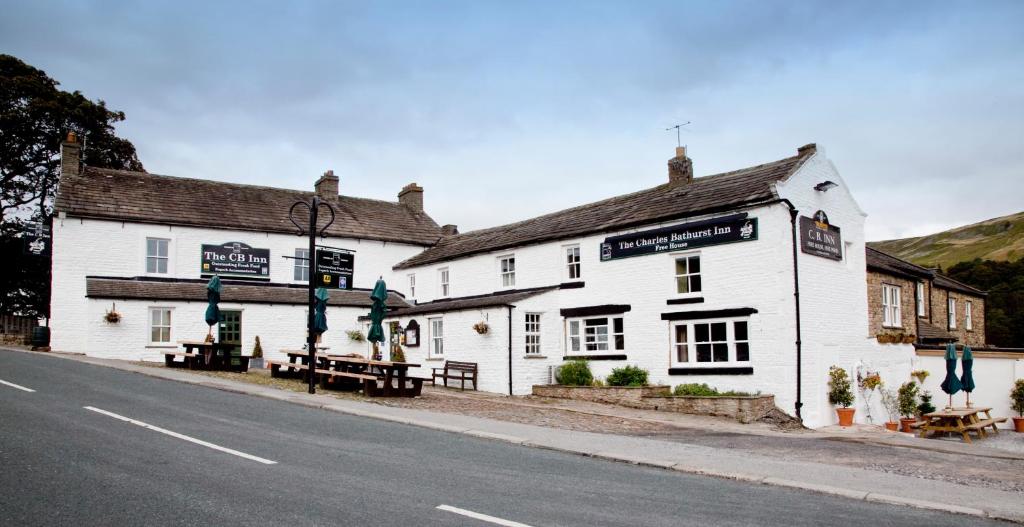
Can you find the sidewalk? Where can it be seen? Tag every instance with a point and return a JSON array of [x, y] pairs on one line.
[[685, 451]]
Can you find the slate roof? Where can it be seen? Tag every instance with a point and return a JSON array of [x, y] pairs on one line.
[[501, 298], [946, 282], [150, 198], [886, 263], [141, 288], [664, 202], [932, 333]]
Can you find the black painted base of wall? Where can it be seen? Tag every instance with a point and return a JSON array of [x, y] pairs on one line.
[[711, 371]]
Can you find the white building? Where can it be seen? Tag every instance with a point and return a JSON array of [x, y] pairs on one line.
[[724, 279]]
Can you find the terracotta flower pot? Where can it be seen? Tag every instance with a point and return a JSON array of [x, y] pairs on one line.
[[1018, 424], [845, 416], [892, 426], [905, 424]]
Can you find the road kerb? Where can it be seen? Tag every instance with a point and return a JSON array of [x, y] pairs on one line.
[[738, 476], [824, 489], [922, 504], [634, 460], [498, 437]]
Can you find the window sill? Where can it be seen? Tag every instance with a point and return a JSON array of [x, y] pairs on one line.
[[891, 327], [534, 357], [720, 370], [685, 300], [595, 357], [434, 359]]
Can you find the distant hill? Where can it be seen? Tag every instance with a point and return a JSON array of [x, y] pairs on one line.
[[998, 239]]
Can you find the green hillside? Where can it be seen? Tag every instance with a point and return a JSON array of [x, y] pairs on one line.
[[998, 239]]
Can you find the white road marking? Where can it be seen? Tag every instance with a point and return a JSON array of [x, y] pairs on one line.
[[18, 386], [481, 517], [181, 436]]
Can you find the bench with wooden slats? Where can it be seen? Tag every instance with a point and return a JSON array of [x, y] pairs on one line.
[[276, 365], [187, 361], [456, 370]]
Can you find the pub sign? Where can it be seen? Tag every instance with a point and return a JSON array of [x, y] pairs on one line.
[[235, 259], [715, 231], [819, 238], [334, 268]]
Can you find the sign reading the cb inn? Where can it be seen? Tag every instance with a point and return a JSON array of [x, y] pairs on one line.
[[819, 238], [236, 259], [715, 231]]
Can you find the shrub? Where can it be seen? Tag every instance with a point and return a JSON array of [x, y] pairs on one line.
[[598, 383], [839, 392], [1017, 397], [575, 373], [628, 376], [355, 335], [891, 402], [257, 349], [926, 406], [703, 390], [907, 399]]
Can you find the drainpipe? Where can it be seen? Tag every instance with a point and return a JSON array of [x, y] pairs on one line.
[[510, 307], [796, 299]]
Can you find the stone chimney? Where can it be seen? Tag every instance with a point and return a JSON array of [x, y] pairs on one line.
[[449, 230], [806, 150], [411, 196], [71, 156], [327, 186], [680, 168]]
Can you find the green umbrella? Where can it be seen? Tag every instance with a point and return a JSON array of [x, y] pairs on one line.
[[213, 297], [951, 384], [967, 379], [320, 311], [377, 311]]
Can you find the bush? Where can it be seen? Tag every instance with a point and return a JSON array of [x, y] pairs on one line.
[[1017, 397], [575, 373], [703, 390], [839, 392], [907, 399], [628, 376], [926, 406], [257, 350]]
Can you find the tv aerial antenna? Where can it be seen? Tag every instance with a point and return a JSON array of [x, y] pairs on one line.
[[678, 127]]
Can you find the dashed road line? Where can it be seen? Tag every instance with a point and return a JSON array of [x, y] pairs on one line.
[[481, 517], [18, 386]]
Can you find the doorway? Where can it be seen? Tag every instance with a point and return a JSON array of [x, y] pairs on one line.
[[229, 331]]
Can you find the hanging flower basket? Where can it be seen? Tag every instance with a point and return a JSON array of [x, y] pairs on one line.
[[112, 317], [481, 327]]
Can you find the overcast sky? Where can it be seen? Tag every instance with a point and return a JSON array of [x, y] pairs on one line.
[[506, 110]]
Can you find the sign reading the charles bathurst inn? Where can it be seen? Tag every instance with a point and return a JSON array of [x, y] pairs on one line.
[[819, 238], [334, 269], [236, 259], [716, 231]]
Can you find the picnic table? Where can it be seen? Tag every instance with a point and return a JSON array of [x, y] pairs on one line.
[[207, 356], [961, 421], [387, 371]]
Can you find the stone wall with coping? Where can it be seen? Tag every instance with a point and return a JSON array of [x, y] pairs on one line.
[[743, 409]]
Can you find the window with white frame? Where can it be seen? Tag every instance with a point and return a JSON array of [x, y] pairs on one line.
[[160, 325], [532, 333], [157, 250], [968, 323], [711, 342], [920, 299], [572, 262], [891, 315], [688, 274], [442, 280], [507, 270], [436, 337], [596, 334], [301, 272], [412, 286], [951, 313]]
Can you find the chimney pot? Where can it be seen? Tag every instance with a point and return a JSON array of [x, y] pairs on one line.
[[450, 230], [411, 196], [70, 156], [680, 168], [327, 186]]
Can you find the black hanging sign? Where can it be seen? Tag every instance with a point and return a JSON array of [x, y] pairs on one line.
[[334, 268], [819, 238], [716, 231], [37, 239], [235, 259]]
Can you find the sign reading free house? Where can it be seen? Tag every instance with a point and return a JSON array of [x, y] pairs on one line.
[[236, 259], [716, 231], [819, 238]]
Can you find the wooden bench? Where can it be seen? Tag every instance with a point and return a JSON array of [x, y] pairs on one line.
[[463, 371], [412, 388], [326, 376], [276, 365], [188, 359]]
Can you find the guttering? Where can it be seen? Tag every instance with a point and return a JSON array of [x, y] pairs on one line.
[[793, 212]]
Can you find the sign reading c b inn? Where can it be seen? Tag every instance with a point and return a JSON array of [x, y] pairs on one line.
[[235, 259], [819, 238]]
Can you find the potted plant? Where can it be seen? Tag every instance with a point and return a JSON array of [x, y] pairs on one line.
[[868, 384], [891, 402], [840, 394], [256, 360], [926, 406], [907, 403], [1017, 400]]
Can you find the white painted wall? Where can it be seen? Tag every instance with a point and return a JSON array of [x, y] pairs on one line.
[[105, 248]]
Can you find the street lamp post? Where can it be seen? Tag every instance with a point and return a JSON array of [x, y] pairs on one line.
[[314, 208]]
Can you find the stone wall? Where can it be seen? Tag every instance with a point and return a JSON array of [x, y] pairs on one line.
[[939, 310], [908, 309], [743, 409]]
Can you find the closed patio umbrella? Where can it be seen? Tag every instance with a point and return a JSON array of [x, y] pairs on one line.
[[320, 311], [967, 377], [951, 384], [377, 310], [212, 311]]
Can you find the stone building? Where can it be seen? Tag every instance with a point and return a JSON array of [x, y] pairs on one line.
[[921, 306]]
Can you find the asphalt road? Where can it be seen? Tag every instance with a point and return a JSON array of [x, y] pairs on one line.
[[63, 464]]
